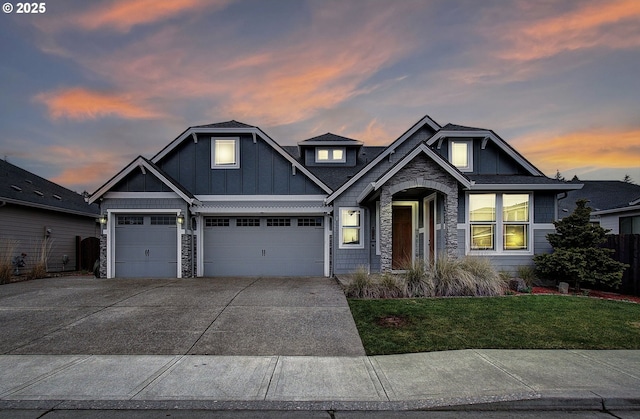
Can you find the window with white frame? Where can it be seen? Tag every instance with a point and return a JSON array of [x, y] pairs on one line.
[[225, 153], [330, 155], [351, 228], [499, 222], [461, 153]]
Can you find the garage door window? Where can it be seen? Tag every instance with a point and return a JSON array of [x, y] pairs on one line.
[[310, 222], [216, 222], [247, 222], [278, 222], [128, 220], [163, 220]]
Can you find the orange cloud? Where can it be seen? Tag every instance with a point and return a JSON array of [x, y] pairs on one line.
[[122, 15], [611, 24], [83, 104], [82, 177], [583, 149]]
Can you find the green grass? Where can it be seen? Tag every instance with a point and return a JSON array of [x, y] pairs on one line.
[[522, 322]]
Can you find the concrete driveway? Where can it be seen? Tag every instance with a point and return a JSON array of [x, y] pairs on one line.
[[203, 316]]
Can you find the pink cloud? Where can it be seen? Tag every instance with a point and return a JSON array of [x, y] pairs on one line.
[[83, 104]]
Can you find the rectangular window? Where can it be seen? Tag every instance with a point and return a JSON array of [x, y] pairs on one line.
[[163, 220], [482, 215], [461, 153], [130, 220], [490, 214], [278, 222], [225, 153], [351, 228], [310, 222], [630, 225], [216, 222], [330, 155], [515, 218], [247, 222]]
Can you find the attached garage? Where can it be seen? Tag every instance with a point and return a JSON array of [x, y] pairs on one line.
[[146, 245], [263, 246]]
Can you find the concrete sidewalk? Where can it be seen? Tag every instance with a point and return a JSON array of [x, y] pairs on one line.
[[495, 379]]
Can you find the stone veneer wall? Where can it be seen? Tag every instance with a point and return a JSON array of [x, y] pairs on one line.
[[420, 172], [103, 255], [187, 271]]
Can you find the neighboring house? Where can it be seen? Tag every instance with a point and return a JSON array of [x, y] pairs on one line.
[[615, 204], [226, 199], [36, 212]]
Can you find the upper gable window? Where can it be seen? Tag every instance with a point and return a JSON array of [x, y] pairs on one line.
[[225, 152], [330, 155], [461, 153]]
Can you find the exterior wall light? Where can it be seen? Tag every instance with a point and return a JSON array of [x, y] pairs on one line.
[[181, 219], [103, 219]]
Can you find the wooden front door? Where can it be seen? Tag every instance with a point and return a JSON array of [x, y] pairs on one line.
[[402, 237]]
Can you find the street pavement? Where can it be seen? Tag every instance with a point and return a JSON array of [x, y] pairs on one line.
[[37, 381]]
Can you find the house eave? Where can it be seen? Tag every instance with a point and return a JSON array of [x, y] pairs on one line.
[[617, 210], [48, 207], [523, 187]]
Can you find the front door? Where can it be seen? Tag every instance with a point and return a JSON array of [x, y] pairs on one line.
[[402, 237]]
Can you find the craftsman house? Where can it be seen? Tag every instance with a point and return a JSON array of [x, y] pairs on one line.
[[227, 199]]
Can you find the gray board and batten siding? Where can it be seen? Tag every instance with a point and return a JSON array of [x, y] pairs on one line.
[[262, 171]]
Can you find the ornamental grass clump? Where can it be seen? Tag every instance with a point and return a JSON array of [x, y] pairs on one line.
[[451, 279], [361, 285], [418, 281], [486, 278], [390, 287], [7, 249]]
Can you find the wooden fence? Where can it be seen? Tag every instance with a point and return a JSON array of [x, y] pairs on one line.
[[627, 250]]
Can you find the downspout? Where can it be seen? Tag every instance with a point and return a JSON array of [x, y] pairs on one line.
[[559, 197]]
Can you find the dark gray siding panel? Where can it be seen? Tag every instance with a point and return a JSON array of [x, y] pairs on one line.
[[544, 207], [262, 170], [27, 225]]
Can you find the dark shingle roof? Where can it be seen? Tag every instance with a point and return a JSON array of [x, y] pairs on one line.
[[454, 127], [22, 187], [330, 138], [602, 194], [227, 124]]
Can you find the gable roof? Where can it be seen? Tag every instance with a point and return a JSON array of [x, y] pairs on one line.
[[459, 131], [603, 195], [235, 127], [419, 149], [144, 164], [426, 120], [21, 187]]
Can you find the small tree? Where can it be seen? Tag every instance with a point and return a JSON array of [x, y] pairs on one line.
[[577, 256]]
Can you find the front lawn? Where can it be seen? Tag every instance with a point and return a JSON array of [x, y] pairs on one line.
[[518, 322]]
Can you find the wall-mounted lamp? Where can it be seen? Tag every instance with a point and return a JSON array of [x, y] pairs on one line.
[[103, 219], [181, 218]]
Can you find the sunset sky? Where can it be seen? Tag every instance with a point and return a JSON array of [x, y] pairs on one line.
[[87, 86]]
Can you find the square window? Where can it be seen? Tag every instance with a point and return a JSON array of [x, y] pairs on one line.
[[330, 155], [515, 237], [224, 153], [515, 207], [482, 237], [482, 207]]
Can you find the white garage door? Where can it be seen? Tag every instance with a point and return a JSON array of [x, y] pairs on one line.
[[146, 246], [263, 246]]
